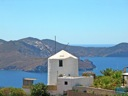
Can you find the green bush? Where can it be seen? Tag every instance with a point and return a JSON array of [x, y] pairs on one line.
[[110, 79], [39, 89], [12, 92]]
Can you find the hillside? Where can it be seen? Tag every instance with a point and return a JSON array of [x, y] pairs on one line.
[[2, 41], [19, 56], [119, 50], [30, 54]]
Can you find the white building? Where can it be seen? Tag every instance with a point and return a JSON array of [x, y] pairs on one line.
[[63, 73], [125, 76]]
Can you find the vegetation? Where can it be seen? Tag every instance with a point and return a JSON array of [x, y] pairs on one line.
[[12, 92], [110, 79], [89, 74], [39, 89]]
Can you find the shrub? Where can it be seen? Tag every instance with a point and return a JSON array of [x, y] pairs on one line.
[[39, 89], [110, 79], [12, 92]]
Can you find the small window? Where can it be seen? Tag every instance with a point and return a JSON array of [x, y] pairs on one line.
[[60, 63], [65, 83]]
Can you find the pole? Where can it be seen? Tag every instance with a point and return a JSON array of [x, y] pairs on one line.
[[55, 44]]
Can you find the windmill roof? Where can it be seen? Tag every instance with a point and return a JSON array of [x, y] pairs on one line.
[[62, 55]]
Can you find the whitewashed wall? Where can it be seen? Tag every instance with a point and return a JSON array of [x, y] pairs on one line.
[[73, 81], [52, 72], [70, 66]]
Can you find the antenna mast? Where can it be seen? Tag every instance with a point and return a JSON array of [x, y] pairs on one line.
[[55, 44], [66, 46]]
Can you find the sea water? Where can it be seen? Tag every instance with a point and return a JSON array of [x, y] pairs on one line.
[[15, 78], [116, 63], [11, 78]]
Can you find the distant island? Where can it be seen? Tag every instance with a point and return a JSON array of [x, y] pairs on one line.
[[30, 54]]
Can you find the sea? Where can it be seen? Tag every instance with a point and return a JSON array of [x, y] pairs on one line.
[[12, 78]]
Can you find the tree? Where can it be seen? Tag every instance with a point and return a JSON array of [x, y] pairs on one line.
[[107, 72], [39, 89]]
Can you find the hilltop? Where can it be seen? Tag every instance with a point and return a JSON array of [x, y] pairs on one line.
[[30, 54]]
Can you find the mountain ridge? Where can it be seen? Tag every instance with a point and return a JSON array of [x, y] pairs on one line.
[[30, 54]]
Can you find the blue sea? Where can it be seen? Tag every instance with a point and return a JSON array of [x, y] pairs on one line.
[[14, 78]]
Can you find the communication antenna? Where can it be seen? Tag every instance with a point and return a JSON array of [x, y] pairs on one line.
[[63, 48], [55, 44], [66, 46], [54, 52]]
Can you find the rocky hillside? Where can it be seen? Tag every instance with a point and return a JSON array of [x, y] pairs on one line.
[[119, 50], [30, 54], [47, 48], [2, 41]]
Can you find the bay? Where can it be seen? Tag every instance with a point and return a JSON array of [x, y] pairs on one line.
[[116, 63], [9, 78]]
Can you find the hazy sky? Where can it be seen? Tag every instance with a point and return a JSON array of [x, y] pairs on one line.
[[73, 21]]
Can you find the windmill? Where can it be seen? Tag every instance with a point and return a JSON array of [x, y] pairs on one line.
[[51, 52]]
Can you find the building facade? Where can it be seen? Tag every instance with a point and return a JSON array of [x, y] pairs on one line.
[[63, 73]]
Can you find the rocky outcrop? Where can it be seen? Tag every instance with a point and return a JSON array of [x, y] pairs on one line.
[[85, 65]]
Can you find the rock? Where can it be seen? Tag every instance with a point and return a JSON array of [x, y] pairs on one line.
[[86, 65]]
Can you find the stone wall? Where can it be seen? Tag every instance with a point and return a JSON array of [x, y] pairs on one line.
[[74, 93], [96, 91]]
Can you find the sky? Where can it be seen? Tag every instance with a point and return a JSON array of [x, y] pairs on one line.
[[71, 21]]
